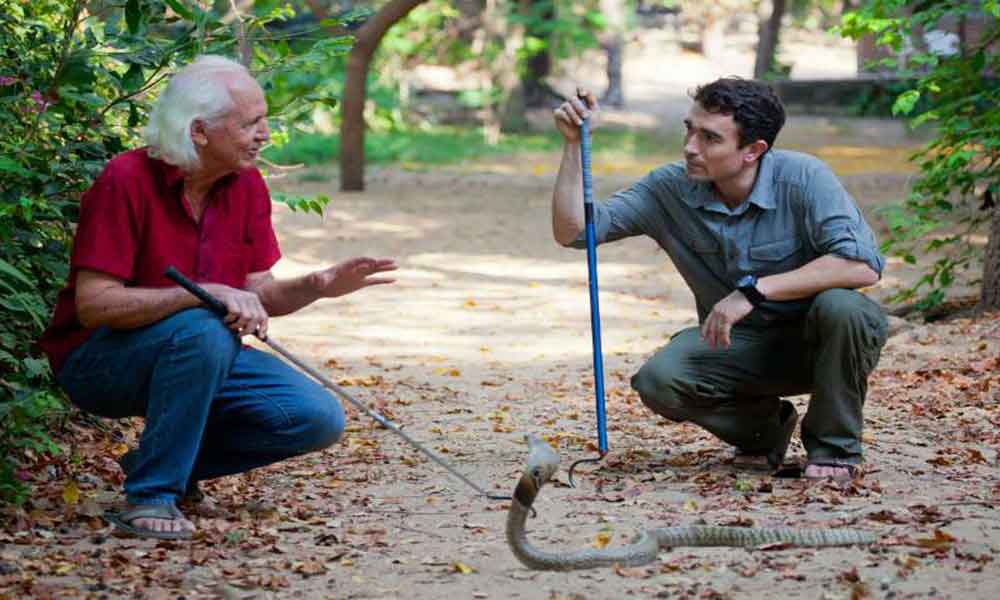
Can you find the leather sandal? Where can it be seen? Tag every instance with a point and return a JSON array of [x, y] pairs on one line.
[[853, 471], [123, 521]]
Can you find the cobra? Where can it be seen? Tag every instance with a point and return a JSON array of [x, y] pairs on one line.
[[543, 462]]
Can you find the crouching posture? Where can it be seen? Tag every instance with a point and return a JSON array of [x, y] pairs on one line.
[[125, 341], [773, 248]]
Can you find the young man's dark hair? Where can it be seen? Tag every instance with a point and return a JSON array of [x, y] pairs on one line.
[[754, 106]]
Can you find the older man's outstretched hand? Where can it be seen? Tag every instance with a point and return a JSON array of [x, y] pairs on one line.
[[352, 275]]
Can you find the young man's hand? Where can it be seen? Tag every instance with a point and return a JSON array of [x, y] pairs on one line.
[[571, 114], [726, 313]]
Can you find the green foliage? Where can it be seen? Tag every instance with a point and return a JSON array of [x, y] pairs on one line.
[[959, 94], [303, 203], [444, 145], [558, 27], [428, 36], [879, 98], [75, 79]]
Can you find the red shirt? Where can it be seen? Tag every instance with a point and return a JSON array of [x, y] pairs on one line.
[[134, 224]]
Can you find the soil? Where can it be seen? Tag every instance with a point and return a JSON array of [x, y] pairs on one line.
[[485, 337]]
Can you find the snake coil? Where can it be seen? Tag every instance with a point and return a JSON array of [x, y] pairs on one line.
[[542, 464]]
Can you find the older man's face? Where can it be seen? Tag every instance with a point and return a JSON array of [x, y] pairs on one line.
[[235, 142]]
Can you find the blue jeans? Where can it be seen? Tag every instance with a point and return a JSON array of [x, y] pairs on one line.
[[212, 406]]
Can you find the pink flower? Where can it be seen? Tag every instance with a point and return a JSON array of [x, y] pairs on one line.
[[6, 80], [23, 475], [40, 103]]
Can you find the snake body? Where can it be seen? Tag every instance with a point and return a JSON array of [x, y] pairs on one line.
[[542, 465]]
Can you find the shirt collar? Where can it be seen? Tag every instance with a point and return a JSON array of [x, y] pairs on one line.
[[172, 175], [762, 193], [703, 195]]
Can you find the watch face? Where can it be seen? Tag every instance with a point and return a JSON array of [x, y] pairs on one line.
[[746, 281]]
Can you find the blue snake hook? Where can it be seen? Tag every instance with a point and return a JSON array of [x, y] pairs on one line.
[[595, 311]]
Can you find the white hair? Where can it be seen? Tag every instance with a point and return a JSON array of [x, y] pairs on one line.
[[199, 91]]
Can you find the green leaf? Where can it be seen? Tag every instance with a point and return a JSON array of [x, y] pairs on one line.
[[133, 115], [325, 99], [8, 359], [133, 78], [905, 102], [8, 269], [303, 203], [8, 165], [36, 368], [181, 10], [133, 16], [77, 70]]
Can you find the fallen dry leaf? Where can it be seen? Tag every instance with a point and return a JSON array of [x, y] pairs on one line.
[[602, 539], [71, 493], [460, 567]]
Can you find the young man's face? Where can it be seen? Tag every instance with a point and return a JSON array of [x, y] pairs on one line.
[[711, 146]]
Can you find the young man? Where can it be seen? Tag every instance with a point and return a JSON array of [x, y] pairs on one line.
[[772, 247], [126, 341]]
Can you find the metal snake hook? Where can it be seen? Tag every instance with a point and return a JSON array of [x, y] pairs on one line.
[[595, 309], [217, 307], [569, 472]]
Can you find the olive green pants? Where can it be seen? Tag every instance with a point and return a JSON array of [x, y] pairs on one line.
[[734, 393]]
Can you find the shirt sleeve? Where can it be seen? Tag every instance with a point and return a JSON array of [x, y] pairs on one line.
[[107, 233], [632, 211], [835, 225], [266, 251]]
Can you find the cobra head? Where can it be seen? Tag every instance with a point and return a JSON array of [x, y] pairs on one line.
[[543, 460]]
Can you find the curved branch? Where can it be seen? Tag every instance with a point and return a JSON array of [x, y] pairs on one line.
[[352, 123]]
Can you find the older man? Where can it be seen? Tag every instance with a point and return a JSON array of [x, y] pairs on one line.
[[125, 341], [773, 248]]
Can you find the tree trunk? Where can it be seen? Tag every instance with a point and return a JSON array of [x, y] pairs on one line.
[[539, 65], [767, 41], [352, 107], [500, 81], [990, 297], [613, 42]]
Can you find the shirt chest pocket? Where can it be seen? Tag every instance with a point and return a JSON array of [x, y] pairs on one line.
[[775, 257]]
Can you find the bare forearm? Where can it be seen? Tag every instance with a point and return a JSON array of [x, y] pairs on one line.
[[285, 296], [824, 273], [122, 307], [567, 197]]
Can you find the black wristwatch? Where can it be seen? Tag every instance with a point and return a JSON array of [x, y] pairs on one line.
[[748, 286]]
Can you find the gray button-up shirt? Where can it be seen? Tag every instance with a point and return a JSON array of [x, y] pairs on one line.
[[796, 212]]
